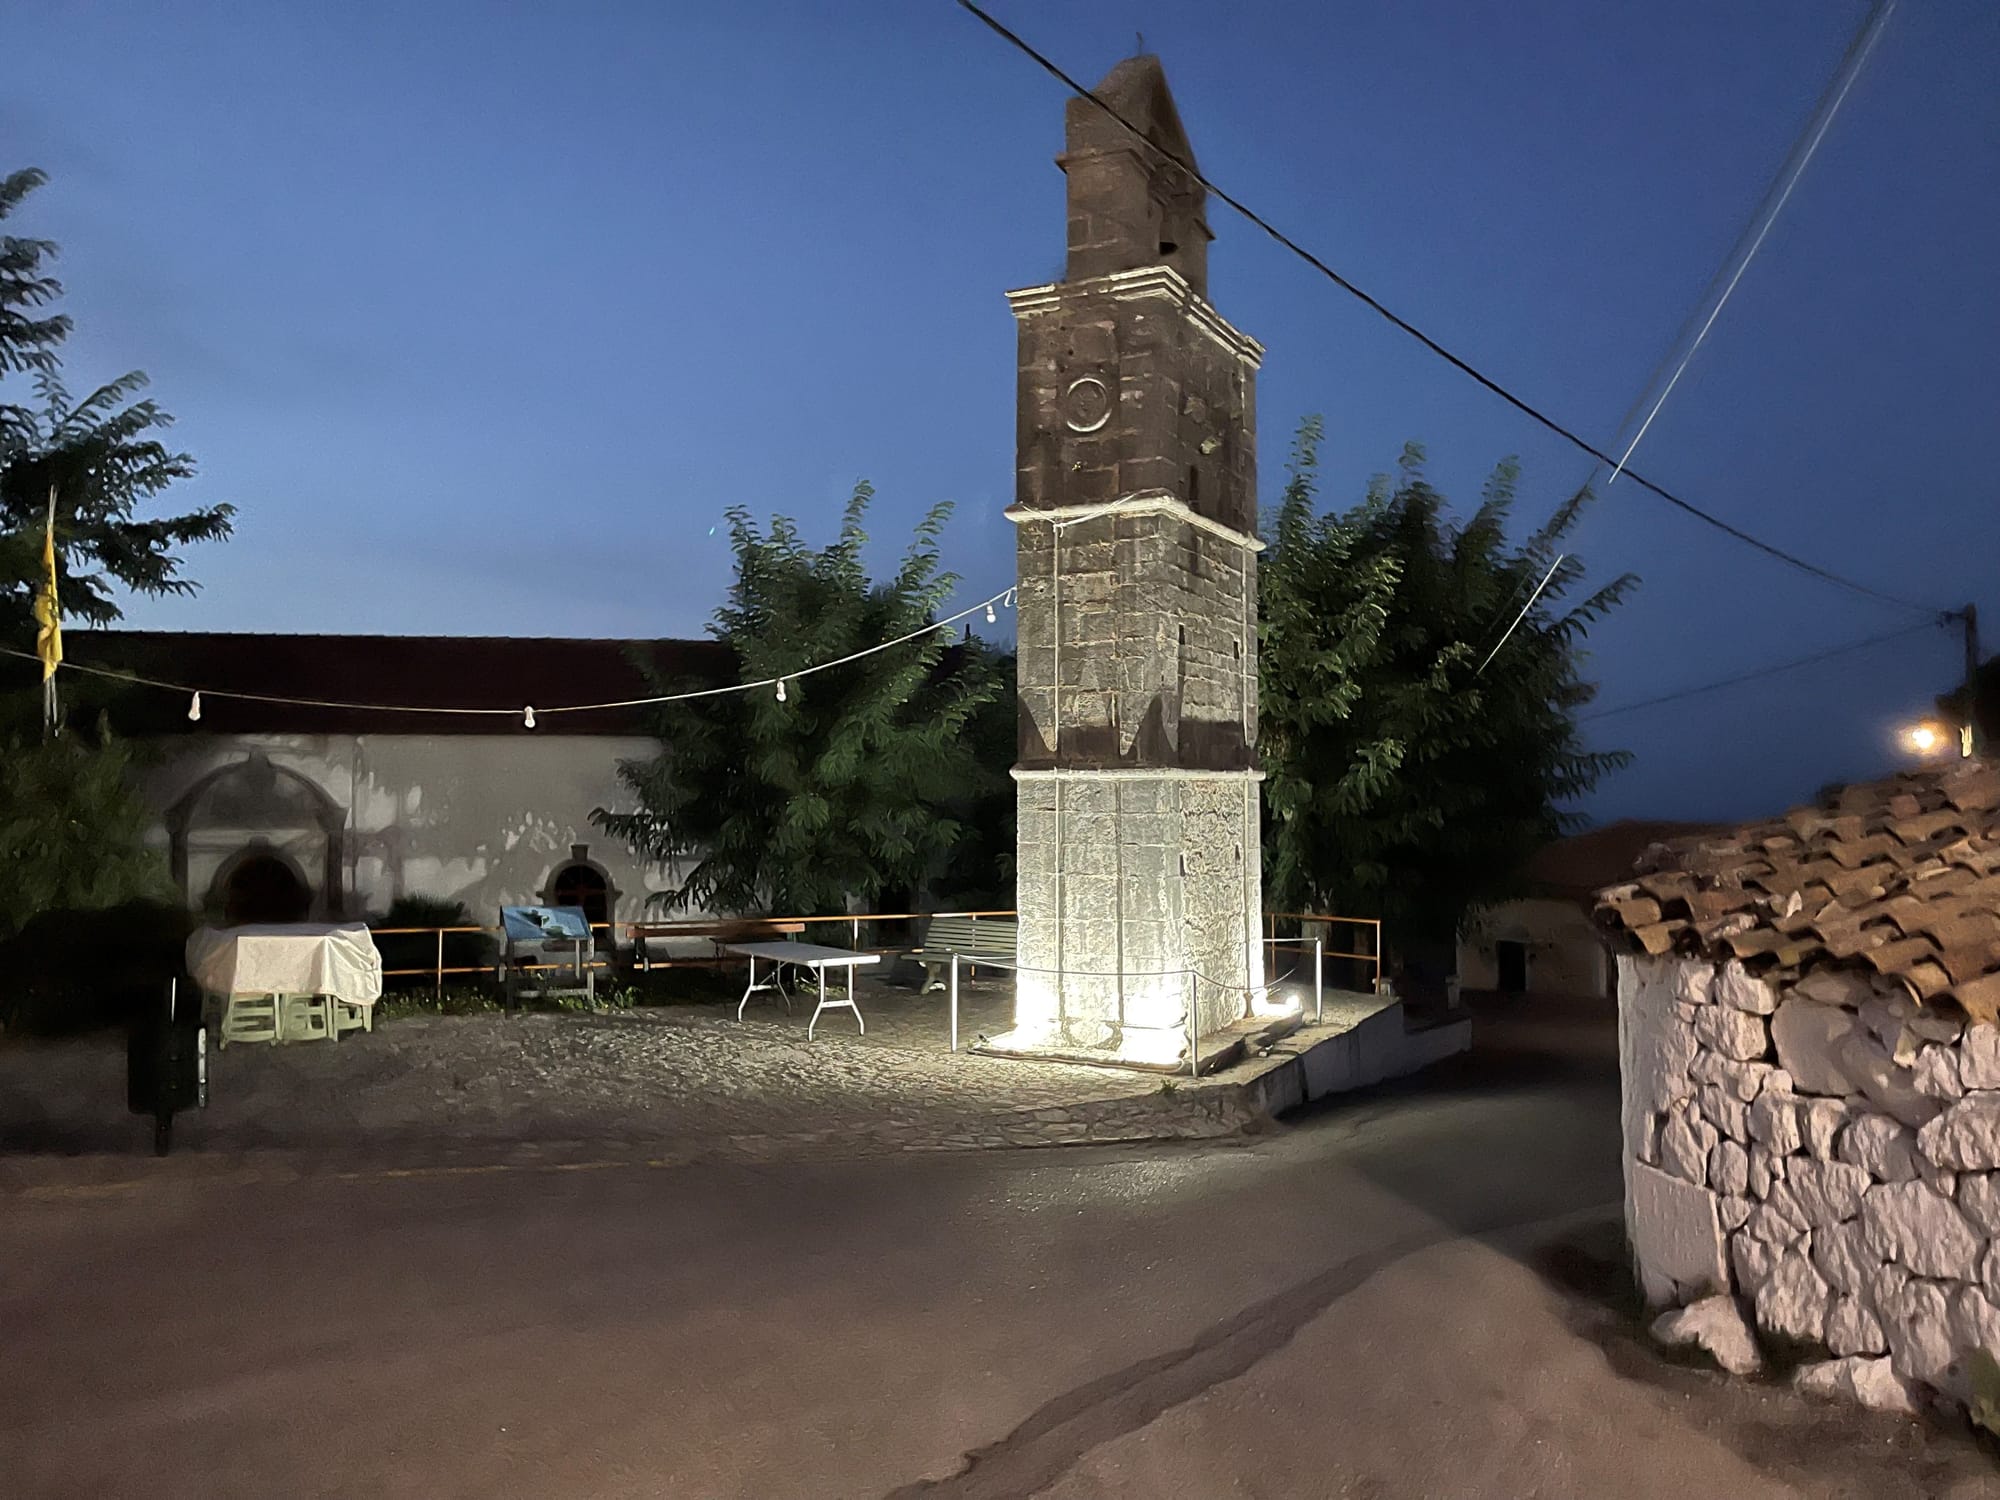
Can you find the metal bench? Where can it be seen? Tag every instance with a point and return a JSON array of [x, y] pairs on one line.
[[971, 938]]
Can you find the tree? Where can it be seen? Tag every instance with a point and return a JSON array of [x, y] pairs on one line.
[[72, 824], [101, 455], [980, 873], [1403, 781], [850, 785], [72, 834]]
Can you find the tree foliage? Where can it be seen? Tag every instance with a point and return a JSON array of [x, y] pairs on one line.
[[72, 831], [103, 456], [857, 783], [1403, 781], [72, 825]]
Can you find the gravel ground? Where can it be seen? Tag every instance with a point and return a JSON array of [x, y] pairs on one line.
[[690, 1075]]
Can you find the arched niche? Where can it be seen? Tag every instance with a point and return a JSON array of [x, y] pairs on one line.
[[582, 881], [254, 810]]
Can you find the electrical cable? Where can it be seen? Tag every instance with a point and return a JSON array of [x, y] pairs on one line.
[[1791, 559], [1770, 671], [1773, 203]]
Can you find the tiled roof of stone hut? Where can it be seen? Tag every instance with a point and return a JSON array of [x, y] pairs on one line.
[[1898, 877]]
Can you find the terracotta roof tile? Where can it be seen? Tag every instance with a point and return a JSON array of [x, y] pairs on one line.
[[1901, 878], [1920, 826], [1980, 998], [1976, 793]]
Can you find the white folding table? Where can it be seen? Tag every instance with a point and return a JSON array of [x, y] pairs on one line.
[[807, 956]]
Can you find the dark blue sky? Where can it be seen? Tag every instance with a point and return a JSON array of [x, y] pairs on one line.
[[483, 314]]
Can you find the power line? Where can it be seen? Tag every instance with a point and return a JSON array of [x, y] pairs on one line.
[[1772, 204], [1771, 671], [1789, 558]]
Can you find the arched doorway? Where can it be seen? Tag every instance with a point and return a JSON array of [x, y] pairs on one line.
[[582, 881], [263, 887], [581, 885], [251, 808]]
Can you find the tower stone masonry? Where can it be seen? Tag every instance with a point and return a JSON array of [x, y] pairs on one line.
[[1138, 866]]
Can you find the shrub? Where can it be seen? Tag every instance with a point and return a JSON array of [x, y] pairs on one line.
[[76, 970]]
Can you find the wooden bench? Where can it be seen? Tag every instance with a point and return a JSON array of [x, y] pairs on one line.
[[971, 938], [719, 931]]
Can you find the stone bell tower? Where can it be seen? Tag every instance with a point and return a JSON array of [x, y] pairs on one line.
[[1137, 875]]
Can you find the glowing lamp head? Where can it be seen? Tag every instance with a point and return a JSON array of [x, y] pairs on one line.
[[1925, 738]]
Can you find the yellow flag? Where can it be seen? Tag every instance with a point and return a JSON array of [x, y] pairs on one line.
[[48, 613]]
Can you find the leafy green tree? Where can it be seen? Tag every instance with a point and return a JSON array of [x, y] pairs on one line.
[[72, 833], [72, 824], [853, 784], [980, 872], [102, 455], [1405, 782], [29, 333]]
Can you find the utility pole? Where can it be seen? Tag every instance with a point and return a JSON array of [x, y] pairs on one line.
[[1968, 617]]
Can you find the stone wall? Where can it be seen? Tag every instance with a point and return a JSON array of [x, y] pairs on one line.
[[1826, 1153], [1567, 953], [481, 819], [1146, 898], [1152, 628]]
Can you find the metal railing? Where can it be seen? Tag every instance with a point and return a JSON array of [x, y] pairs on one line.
[[1319, 969], [642, 932], [607, 959], [1371, 925], [497, 969]]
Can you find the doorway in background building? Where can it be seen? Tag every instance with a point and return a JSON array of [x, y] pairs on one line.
[[584, 886], [1511, 960], [264, 888]]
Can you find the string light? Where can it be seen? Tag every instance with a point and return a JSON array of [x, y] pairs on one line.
[[990, 616], [133, 679]]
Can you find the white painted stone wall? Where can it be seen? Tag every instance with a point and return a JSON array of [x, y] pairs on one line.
[[1566, 950], [1827, 1153], [482, 819]]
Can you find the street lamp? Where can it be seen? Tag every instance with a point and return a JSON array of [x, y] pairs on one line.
[[1928, 738]]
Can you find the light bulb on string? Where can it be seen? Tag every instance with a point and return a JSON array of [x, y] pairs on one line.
[[528, 717], [194, 709], [781, 690], [990, 616]]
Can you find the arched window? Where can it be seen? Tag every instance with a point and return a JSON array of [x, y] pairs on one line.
[[244, 834], [582, 881], [584, 886]]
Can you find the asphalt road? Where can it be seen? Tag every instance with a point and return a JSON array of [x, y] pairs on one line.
[[1407, 1294]]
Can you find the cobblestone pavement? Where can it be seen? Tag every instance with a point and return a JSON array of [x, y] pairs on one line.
[[687, 1080]]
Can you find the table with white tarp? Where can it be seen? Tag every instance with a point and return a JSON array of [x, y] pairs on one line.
[[288, 981]]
